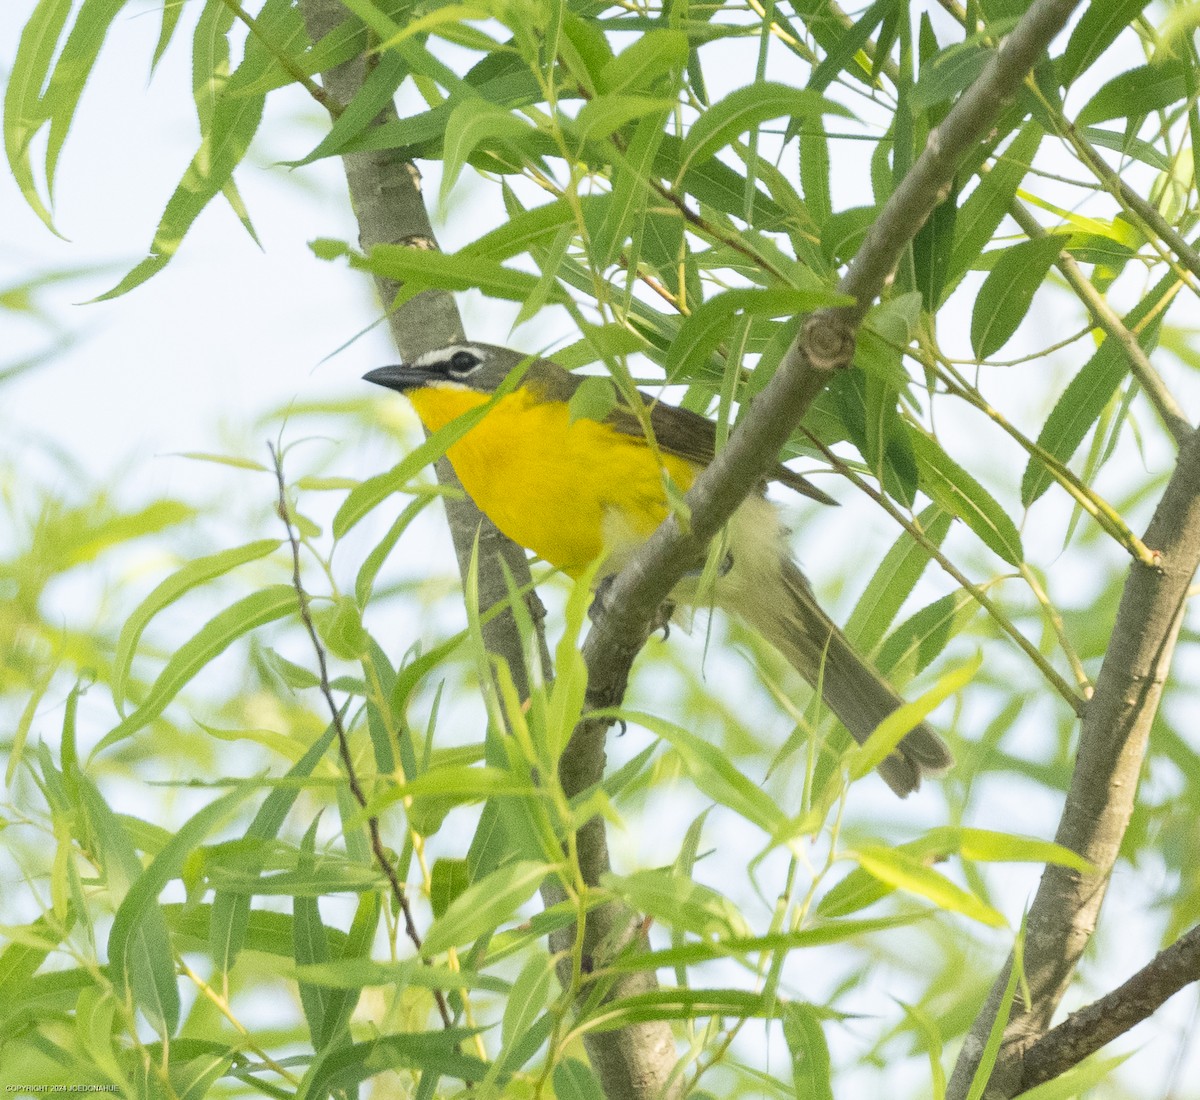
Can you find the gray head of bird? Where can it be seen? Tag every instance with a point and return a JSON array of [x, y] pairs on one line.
[[479, 367]]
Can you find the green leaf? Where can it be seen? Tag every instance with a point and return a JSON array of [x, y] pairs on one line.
[[932, 249], [230, 916], [814, 173], [810, 1053], [524, 230], [747, 108], [419, 269], [894, 580], [988, 846], [627, 204], [676, 1004], [449, 878], [601, 118], [1008, 291], [472, 123], [1137, 93], [678, 902], [900, 870], [949, 485], [842, 57], [715, 773], [192, 575], [595, 398], [340, 1069], [1096, 30], [917, 642], [1090, 391], [865, 758], [645, 64], [484, 905], [217, 635], [708, 324], [377, 92], [309, 945], [987, 206], [527, 999], [131, 952], [953, 70], [24, 111], [821, 934], [1091, 1074], [574, 1080], [228, 125]]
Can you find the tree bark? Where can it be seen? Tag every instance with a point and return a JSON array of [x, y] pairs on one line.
[[633, 1063]]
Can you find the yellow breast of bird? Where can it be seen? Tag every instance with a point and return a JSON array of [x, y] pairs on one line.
[[568, 491]]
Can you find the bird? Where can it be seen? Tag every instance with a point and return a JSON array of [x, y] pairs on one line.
[[575, 488]]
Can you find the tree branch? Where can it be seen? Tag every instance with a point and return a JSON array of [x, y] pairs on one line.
[[1099, 803], [824, 344], [634, 1062], [1086, 1031]]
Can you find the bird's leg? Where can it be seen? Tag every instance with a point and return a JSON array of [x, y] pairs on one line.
[[660, 621]]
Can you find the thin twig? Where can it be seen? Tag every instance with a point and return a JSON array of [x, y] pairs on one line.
[[286, 62], [1168, 409], [1060, 685], [377, 846]]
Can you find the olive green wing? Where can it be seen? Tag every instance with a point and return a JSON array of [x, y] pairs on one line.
[[691, 436]]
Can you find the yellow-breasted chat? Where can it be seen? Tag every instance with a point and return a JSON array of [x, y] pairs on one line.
[[574, 490]]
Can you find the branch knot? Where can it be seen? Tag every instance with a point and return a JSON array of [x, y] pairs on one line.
[[827, 340]]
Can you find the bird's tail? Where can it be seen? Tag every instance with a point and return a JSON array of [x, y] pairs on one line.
[[791, 620]]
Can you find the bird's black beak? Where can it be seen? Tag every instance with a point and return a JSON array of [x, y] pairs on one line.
[[400, 377]]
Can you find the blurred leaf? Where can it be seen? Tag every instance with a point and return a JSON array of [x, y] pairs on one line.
[[593, 400], [678, 902], [900, 870], [715, 774], [574, 1080], [645, 64], [217, 635], [1079, 1079], [484, 905], [434, 1052], [136, 953], [195, 573], [230, 914], [810, 1053]]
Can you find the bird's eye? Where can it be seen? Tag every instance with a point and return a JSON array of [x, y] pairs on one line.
[[463, 362]]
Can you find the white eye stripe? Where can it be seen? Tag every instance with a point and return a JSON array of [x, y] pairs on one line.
[[468, 356]]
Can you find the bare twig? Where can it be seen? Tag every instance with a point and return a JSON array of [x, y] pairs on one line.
[[378, 849], [1168, 409]]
